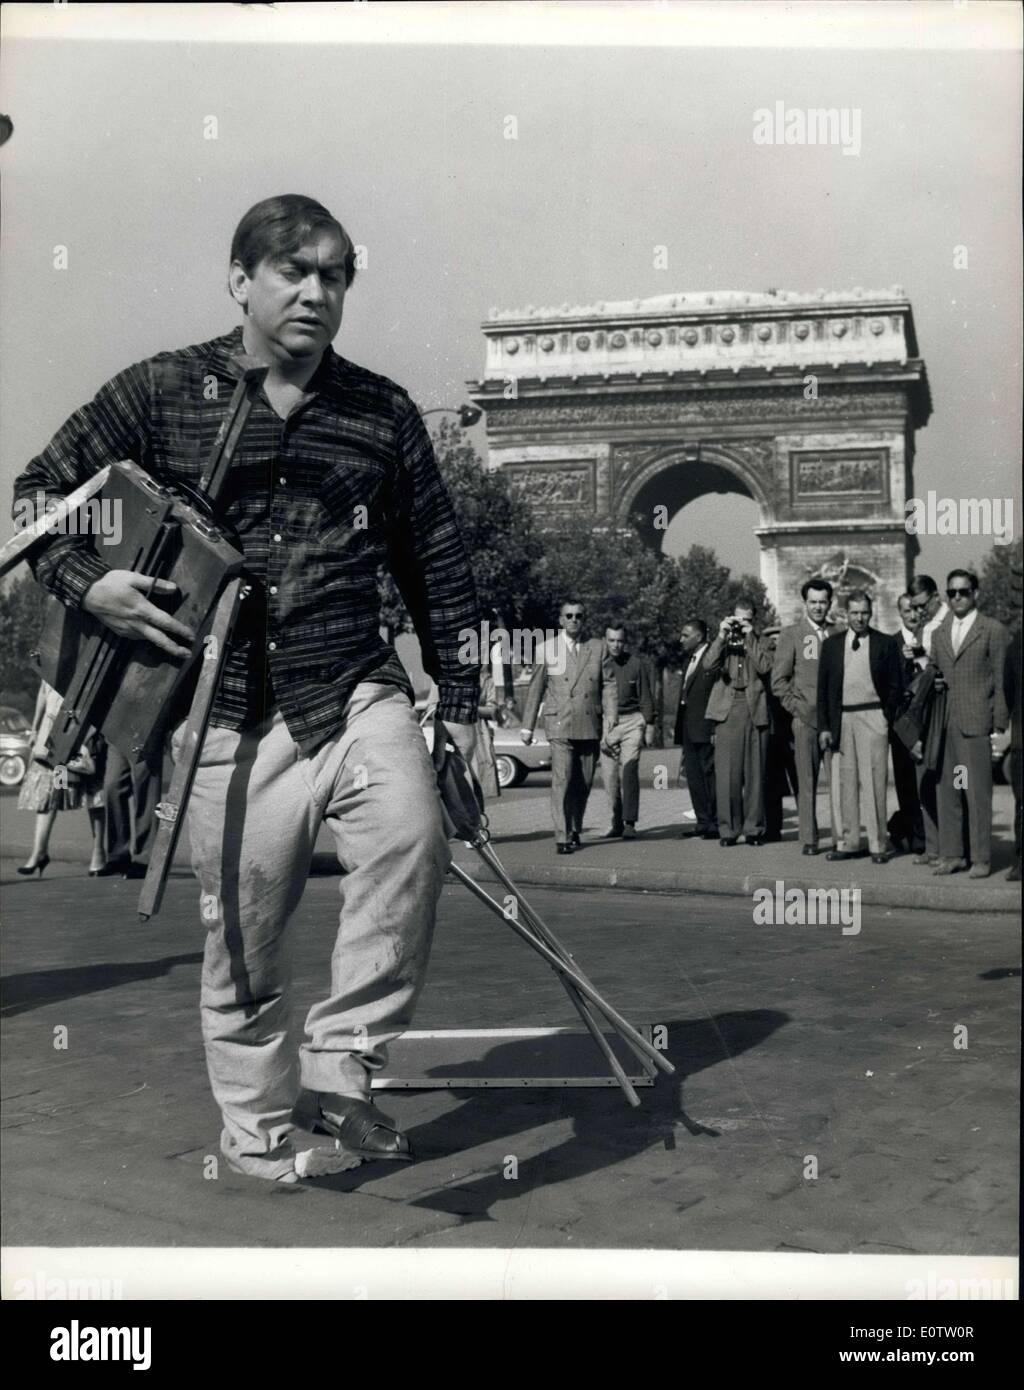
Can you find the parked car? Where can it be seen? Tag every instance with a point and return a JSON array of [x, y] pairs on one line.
[[513, 759], [15, 746]]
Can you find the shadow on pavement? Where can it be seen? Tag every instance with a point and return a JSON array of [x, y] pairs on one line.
[[605, 1130], [33, 989]]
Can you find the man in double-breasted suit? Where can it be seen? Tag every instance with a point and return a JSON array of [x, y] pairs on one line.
[[578, 691], [738, 708], [969, 650], [795, 683], [860, 684], [694, 731]]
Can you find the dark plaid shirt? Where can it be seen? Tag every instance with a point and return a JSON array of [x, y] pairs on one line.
[[348, 482]]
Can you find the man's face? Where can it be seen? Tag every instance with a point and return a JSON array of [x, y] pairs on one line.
[[615, 640], [910, 617], [925, 606], [960, 596], [570, 619], [294, 302], [858, 615], [817, 605], [690, 639]]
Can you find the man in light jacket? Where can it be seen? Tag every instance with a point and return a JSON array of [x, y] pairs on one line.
[[578, 691]]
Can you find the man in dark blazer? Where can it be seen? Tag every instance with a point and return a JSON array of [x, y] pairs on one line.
[[738, 708], [860, 684], [693, 730], [780, 776], [795, 684], [577, 688], [907, 823], [969, 650]]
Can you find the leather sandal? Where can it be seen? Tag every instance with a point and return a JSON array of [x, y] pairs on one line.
[[360, 1128]]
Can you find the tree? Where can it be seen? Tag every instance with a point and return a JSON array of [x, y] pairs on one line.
[[1000, 582], [21, 620], [497, 529]]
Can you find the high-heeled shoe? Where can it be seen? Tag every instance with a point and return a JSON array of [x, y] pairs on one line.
[[30, 869]]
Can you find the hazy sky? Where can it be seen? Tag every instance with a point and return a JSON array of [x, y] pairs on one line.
[[619, 149]]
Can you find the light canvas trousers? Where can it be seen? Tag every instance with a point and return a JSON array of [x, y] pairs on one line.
[[621, 768], [863, 774], [256, 807]]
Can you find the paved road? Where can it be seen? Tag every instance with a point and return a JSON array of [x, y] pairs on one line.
[[792, 1044]]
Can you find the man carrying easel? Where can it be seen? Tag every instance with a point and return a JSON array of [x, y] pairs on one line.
[[313, 719]]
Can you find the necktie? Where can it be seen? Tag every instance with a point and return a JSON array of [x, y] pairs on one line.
[[856, 644]]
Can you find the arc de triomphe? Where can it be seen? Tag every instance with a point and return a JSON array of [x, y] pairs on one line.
[[807, 403]]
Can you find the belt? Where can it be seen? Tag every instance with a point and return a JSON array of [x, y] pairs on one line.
[[852, 709]]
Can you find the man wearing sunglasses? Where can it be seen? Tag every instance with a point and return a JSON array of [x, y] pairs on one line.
[[969, 650], [575, 684]]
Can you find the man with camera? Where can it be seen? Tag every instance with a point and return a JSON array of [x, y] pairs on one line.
[[738, 708]]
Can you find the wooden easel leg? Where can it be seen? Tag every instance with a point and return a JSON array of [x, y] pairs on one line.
[[171, 810], [651, 1059]]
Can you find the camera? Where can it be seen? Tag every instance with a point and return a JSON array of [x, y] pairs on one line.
[[734, 633]]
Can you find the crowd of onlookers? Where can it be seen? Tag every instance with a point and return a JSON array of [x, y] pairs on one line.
[[828, 699], [119, 797]]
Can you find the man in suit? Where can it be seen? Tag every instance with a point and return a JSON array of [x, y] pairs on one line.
[[694, 731], [969, 650], [795, 684], [860, 683], [633, 729], [738, 708], [578, 692], [907, 824], [930, 612], [1011, 689]]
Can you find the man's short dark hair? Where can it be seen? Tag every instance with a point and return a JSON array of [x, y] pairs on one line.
[[745, 601], [809, 584], [969, 575], [923, 584], [278, 226], [700, 625], [859, 596], [572, 603], [616, 626]]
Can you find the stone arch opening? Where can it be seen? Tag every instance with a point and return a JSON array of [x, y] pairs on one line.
[[670, 483]]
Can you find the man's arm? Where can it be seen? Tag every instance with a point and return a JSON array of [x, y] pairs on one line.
[[646, 693], [535, 696], [999, 645], [113, 426], [429, 563], [824, 669], [609, 691], [783, 670], [714, 657]]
